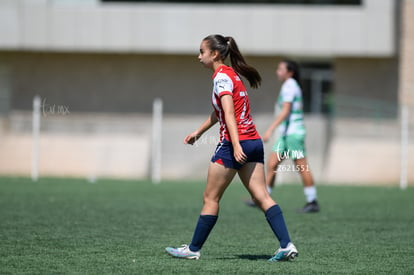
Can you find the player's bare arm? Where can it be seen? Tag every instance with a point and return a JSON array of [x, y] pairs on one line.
[[228, 107], [284, 113], [194, 136]]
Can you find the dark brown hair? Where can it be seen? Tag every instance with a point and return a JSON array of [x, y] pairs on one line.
[[293, 67], [227, 46]]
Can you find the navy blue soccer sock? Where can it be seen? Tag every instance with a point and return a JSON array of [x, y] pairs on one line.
[[204, 226], [276, 221]]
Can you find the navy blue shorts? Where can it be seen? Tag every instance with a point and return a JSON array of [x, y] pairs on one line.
[[253, 148]]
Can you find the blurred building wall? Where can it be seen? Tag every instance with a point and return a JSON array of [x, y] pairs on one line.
[[71, 25], [375, 78], [106, 63], [124, 83], [129, 82]]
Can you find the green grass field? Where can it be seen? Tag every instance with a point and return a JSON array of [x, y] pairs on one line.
[[122, 227]]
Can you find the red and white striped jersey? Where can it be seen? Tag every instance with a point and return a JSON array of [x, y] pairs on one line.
[[227, 82]]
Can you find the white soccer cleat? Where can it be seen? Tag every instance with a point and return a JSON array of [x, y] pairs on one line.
[[285, 254], [183, 252]]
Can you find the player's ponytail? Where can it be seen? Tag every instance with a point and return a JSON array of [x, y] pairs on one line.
[[227, 46], [293, 67]]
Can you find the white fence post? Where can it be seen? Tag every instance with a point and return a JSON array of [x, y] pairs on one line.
[[404, 146], [35, 137], [156, 141]]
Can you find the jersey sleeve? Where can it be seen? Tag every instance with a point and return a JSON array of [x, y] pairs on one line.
[[289, 91], [223, 85]]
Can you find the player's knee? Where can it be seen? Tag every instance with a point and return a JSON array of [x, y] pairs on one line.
[[208, 199], [262, 199]]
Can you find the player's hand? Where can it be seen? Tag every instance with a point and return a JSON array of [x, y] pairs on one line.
[[191, 138], [267, 135], [239, 155]]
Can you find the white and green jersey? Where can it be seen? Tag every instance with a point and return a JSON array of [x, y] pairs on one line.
[[293, 124]]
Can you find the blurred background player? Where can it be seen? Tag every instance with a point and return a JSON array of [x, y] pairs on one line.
[[240, 150], [291, 141]]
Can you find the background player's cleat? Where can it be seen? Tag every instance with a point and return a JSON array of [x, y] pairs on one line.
[[310, 207], [250, 203], [183, 252], [285, 254]]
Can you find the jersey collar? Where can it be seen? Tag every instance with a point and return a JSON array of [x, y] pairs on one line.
[[219, 69]]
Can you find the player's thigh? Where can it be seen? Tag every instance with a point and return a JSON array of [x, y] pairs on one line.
[[218, 179], [253, 178]]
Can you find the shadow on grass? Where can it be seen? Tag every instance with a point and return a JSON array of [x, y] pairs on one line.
[[245, 257], [253, 257]]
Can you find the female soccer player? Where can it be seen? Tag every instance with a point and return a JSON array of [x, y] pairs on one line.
[[291, 143], [240, 149]]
